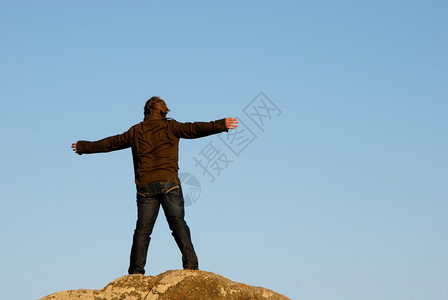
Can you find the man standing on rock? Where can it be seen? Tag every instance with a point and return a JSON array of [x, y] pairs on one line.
[[155, 148]]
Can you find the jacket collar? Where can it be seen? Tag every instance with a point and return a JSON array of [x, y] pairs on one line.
[[153, 118]]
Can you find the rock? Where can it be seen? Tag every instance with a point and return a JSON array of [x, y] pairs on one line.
[[171, 285]]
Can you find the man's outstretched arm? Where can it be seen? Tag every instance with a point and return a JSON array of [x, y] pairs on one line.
[[201, 129], [116, 142]]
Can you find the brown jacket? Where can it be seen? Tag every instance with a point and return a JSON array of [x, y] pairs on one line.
[[155, 146]]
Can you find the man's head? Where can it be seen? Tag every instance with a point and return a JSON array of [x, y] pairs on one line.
[[156, 106]]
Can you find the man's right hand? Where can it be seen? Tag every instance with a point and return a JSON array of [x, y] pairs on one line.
[[231, 123]]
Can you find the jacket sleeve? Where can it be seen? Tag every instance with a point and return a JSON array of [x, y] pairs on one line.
[[112, 143], [197, 129]]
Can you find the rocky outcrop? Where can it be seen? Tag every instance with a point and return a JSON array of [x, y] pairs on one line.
[[171, 285]]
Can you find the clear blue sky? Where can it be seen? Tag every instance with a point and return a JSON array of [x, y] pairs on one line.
[[343, 194]]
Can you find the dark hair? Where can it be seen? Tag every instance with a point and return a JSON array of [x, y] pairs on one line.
[[155, 105]]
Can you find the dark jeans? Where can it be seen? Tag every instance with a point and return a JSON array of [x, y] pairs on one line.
[[149, 199]]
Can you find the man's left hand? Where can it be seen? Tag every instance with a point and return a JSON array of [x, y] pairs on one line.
[[74, 147]]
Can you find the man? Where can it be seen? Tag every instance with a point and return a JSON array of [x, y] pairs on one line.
[[155, 146]]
